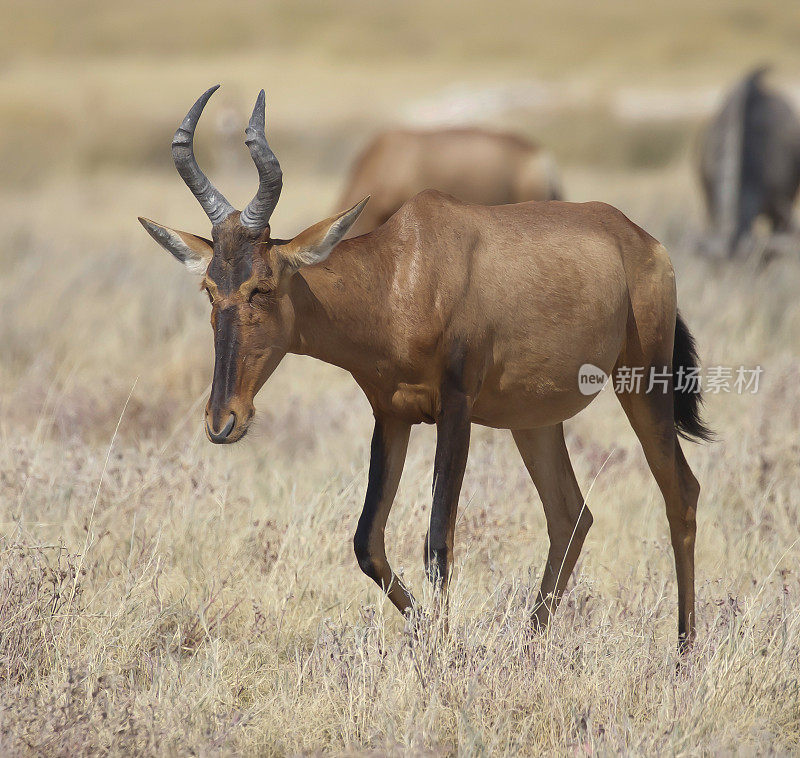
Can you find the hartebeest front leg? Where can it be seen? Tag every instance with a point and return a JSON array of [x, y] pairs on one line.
[[387, 456], [452, 447]]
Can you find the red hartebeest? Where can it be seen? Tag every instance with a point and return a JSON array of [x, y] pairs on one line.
[[475, 165], [451, 314]]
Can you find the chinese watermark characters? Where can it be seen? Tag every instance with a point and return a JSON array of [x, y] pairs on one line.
[[741, 380]]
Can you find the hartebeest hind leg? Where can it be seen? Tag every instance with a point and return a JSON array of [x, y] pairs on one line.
[[387, 456], [651, 416], [545, 454]]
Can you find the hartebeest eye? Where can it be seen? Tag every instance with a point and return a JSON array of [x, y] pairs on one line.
[[260, 296]]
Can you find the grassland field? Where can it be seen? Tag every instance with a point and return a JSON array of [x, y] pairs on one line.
[[162, 596]]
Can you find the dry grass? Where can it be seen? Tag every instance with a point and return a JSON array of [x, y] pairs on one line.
[[160, 596], [172, 598]]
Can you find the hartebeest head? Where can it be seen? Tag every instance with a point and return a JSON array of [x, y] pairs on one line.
[[245, 272]]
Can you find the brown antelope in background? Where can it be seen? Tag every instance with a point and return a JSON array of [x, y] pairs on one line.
[[476, 165], [451, 314]]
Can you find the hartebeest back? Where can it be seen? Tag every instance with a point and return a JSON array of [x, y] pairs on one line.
[[452, 314], [475, 165]]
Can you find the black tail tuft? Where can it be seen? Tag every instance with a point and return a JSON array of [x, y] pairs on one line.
[[687, 401]]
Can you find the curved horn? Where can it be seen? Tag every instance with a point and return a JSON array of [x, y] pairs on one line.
[[215, 205], [270, 178]]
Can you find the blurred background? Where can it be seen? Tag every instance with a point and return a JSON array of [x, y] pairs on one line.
[[90, 94]]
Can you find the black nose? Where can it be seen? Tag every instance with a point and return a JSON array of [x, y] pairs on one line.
[[222, 435]]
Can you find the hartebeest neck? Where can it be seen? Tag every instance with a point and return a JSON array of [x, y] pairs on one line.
[[337, 306]]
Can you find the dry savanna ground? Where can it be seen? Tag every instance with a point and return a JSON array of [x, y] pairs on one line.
[[160, 596]]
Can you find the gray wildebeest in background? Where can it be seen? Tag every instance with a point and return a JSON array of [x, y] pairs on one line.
[[750, 165], [473, 164]]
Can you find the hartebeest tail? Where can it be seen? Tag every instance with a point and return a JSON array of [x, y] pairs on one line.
[[687, 400]]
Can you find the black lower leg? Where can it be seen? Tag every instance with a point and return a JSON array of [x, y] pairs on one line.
[[452, 447]]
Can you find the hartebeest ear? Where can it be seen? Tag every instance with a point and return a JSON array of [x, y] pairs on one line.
[[192, 251], [314, 244]]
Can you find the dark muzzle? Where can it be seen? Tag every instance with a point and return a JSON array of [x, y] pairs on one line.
[[222, 435]]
